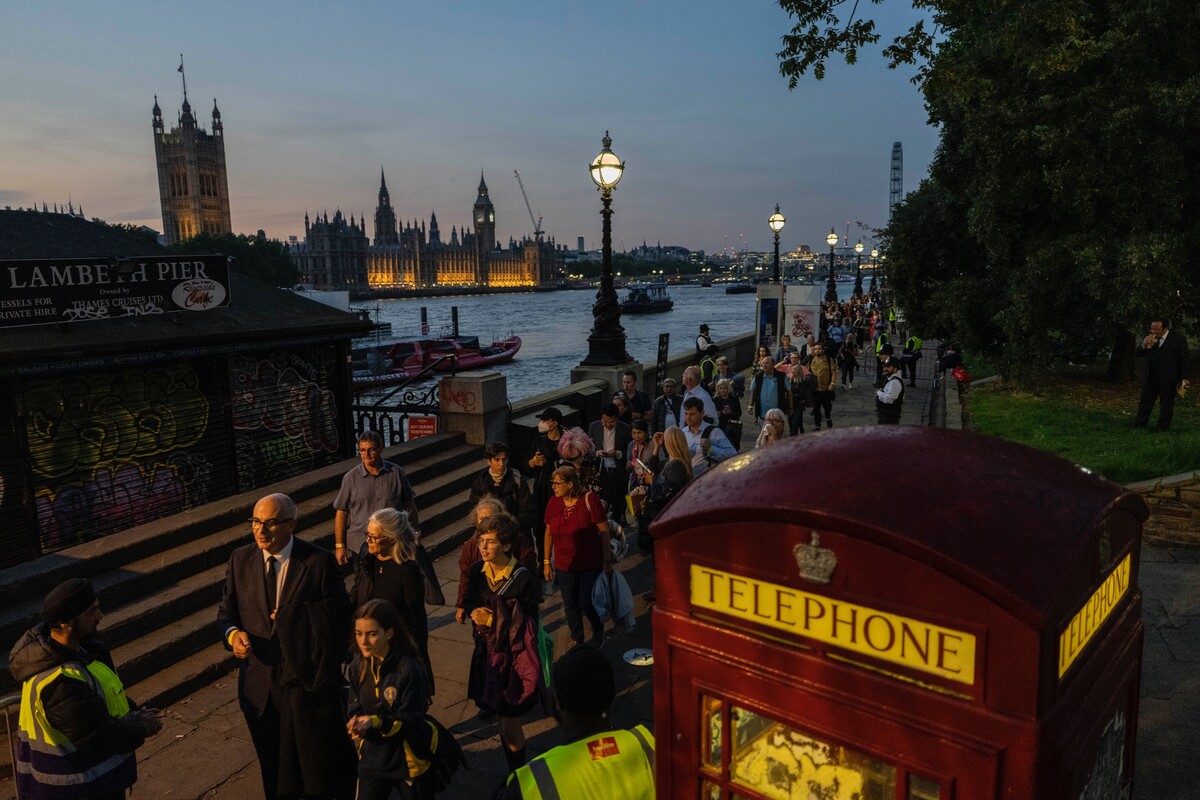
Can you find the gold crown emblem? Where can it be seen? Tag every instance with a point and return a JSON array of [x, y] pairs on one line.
[[816, 563]]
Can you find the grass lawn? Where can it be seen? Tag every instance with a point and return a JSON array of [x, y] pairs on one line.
[[1089, 422]]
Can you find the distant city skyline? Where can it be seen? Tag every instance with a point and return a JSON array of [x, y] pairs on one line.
[[314, 104]]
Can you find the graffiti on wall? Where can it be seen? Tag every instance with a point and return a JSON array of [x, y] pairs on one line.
[[111, 451], [285, 418]]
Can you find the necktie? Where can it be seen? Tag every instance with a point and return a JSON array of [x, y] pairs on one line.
[[272, 582]]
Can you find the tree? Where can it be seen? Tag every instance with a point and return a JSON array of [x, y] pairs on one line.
[[1067, 175], [257, 256]]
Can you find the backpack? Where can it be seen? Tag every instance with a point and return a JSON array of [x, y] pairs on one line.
[[444, 754]]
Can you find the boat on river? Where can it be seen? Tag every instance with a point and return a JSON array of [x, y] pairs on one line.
[[647, 298], [740, 287], [388, 364]]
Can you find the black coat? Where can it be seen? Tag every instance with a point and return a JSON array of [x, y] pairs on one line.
[[1167, 363], [515, 491], [399, 698], [312, 753]]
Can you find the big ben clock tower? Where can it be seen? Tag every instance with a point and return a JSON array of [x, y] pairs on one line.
[[485, 219]]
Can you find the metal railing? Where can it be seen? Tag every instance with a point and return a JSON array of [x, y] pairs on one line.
[[388, 415], [7, 704]]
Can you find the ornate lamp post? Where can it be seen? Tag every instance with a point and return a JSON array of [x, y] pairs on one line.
[[858, 248], [776, 222], [831, 284], [874, 266], [606, 344]]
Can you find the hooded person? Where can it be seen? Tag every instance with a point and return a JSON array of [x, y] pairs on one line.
[[595, 761], [78, 731]]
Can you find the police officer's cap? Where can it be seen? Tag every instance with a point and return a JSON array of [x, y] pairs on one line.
[[67, 601]]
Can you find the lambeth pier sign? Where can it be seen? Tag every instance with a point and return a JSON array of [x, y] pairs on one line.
[[75, 289]]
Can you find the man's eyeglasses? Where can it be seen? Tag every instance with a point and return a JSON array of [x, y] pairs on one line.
[[269, 524], [489, 542]]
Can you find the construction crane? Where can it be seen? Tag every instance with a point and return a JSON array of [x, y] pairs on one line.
[[537, 223]]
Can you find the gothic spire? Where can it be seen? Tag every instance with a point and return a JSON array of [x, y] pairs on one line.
[[483, 190]]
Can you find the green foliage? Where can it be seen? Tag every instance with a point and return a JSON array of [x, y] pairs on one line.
[[133, 230], [1061, 208], [260, 258], [1089, 424]]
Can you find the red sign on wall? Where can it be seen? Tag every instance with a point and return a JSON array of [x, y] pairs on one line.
[[421, 426]]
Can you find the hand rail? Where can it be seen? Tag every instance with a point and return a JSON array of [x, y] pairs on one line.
[[425, 372], [6, 704]]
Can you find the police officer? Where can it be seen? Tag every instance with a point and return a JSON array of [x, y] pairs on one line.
[[596, 763], [78, 730], [889, 400]]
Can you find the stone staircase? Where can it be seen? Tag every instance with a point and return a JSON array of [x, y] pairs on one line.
[[160, 583]]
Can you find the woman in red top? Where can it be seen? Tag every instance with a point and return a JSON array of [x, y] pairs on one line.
[[577, 546]]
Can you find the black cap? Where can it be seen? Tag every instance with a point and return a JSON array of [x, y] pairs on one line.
[[551, 413], [67, 601], [892, 361], [584, 683], [704, 329]]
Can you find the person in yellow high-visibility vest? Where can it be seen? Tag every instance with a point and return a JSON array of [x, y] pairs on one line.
[[78, 731], [596, 763]]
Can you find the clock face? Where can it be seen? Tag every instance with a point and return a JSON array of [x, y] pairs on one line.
[[491, 217], [479, 217]]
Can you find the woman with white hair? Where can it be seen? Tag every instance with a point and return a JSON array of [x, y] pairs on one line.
[[774, 428], [387, 570]]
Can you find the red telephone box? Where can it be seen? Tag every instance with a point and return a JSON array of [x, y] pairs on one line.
[[897, 613]]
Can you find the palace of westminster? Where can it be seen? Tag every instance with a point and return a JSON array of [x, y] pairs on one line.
[[336, 253]]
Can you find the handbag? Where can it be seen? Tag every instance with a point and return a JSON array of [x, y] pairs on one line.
[[433, 587], [734, 434]]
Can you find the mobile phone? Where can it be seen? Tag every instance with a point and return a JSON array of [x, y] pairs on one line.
[[638, 461]]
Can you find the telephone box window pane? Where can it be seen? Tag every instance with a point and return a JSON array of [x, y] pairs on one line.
[[710, 791], [923, 789], [780, 762], [714, 722]]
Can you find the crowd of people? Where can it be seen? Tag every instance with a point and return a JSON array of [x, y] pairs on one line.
[[335, 685]]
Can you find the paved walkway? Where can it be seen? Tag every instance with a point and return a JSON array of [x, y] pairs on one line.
[[204, 750]]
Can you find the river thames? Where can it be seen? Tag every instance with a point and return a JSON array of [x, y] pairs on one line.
[[554, 326]]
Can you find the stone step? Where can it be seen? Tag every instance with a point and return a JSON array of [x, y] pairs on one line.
[[160, 607], [34, 578]]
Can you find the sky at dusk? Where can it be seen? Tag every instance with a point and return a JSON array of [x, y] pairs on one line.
[[316, 97]]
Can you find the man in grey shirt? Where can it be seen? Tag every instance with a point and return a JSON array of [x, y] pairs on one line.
[[368, 487]]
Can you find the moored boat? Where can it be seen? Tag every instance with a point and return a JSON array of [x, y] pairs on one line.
[[467, 352], [647, 298]]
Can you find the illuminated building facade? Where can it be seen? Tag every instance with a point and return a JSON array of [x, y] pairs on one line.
[[337, 254], [192, 186]]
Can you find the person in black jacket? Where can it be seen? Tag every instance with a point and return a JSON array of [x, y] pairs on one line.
[[297, 724], [388, 698], [387, 569], [1166, 354], [501, 481], [71, 684]]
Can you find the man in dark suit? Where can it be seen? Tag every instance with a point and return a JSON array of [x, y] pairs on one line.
[[285, 615], [611, 438], [1166, 355]]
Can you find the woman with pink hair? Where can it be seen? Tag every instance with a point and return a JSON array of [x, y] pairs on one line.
[[576, 449]]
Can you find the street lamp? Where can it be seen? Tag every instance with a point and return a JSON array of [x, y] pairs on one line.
[[858, 248], [606, 344], [831, 284], [776, 222], [874, 265]]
